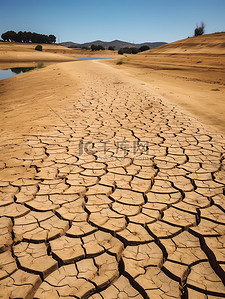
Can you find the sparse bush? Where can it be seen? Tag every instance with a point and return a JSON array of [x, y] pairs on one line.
[[40, 65], [38, 48], [127, 50], [97, 48], [119, 62], [143, 48], [200, 30], [93, 47], [111, 48], [134, 50]]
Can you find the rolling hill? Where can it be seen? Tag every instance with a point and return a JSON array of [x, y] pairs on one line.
[[208, 43], [118, 44]]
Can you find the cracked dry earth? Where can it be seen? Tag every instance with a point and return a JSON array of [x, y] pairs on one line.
[[121, 197]]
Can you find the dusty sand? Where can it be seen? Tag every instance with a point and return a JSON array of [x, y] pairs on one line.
[[189, 72], [115, 219]]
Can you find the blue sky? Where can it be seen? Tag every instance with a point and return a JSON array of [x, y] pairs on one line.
[[129, 20]]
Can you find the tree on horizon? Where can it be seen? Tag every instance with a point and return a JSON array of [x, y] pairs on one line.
[[28, 37], [97, 48], [200, 30]]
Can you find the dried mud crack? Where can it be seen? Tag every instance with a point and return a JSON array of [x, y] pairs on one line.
[[121, 197]]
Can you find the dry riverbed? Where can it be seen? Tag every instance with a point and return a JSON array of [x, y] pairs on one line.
[[108, 189]]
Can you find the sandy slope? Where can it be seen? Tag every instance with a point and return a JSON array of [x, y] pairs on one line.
[[25, 53], [189, 72], [24, 104], [19, 52], [208, 43], [113, 217]]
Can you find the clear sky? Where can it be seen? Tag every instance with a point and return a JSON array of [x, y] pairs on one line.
[[129, 20]]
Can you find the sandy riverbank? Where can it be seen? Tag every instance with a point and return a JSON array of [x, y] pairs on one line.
[[25, 98]]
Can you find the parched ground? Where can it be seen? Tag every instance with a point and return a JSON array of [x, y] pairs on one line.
[[108, 190]]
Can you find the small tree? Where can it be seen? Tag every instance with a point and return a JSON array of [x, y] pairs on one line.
[[52, 38], [38, 48], [120, 52], [93, 47], [111, 48], [128, 50], [5, 37], [134, 50], [97, 48], [9, 36], [200, 30], [143, 48]]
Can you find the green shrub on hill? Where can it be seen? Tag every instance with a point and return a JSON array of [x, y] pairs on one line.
[[38, 48]]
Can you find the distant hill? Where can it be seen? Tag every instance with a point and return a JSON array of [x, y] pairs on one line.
[[118, 44]]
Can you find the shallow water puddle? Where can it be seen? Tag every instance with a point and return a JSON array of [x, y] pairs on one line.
[[91, 58], [8, 73]]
